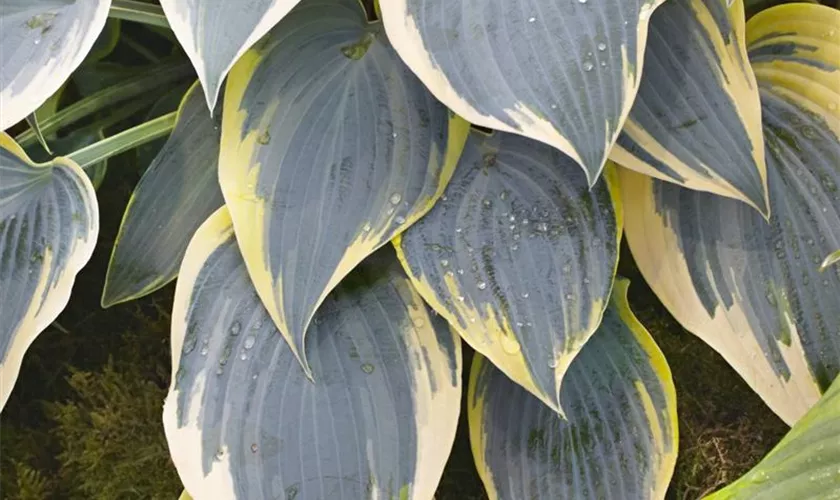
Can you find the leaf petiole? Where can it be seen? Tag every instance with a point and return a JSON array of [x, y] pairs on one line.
[[124, 141]]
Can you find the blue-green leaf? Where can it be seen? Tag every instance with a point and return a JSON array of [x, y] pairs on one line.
[[697, 118], [49, 222], [43, 42], [330, 148], [176, 194], [519, 256], [215, 33], [243, 420], [619, 440], [564, 73]]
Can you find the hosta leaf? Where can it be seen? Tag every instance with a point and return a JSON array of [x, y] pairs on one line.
[[43, 42], [215, 33], [69, 143], [795, 52], [243, 420], [330, 148], [751, 289], [753, 7], [177, 193], [805, 464], [49, 221], [620, 439], [697, 118], [564, 73], [519, 255]]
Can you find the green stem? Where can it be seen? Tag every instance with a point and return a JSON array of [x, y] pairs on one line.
[[139, 12], [136, 86], [125, 140], [139, 48]]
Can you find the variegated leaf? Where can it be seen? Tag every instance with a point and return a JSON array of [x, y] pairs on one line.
[[753, 289], [176, 194], [215, 33], [243, 420], [697, 118], [519, 255], [330, 148], [43, 42], [619, 440], [564, 73], [49, 222]]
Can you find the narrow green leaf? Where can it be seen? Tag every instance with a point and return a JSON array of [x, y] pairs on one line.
[[697, 118], [564, 73], [330, 148], [139, 12], [750, 288], [176, 194], [49, 222], [805, 464], [243, 420], [519, 256], [215, 33], [124, 141], [144, 83], [620, 437], [32, 121], [43, 42]]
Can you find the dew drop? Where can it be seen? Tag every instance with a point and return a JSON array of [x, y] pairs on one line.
[[400, 219], [525, 295], [567, 268], [460, 298], [602, 46], [487, 203], [482, 285], [532, 19], [395, 198], [254, 447], [250, 340], [510, 345], [368, 368], [243, 356], [235, 328], [444, 262], [458, 230], [204, 350], [460, 271], [542, 227], [418, 322], [366, 227]]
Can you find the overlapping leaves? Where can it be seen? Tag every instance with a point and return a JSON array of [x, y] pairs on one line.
[[750, 288], [564, 73], [620, 381], [330, 148], [519, 255], [697, 119], [243, 420]]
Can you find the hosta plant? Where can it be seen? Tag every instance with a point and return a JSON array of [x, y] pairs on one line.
[[347, 193]]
